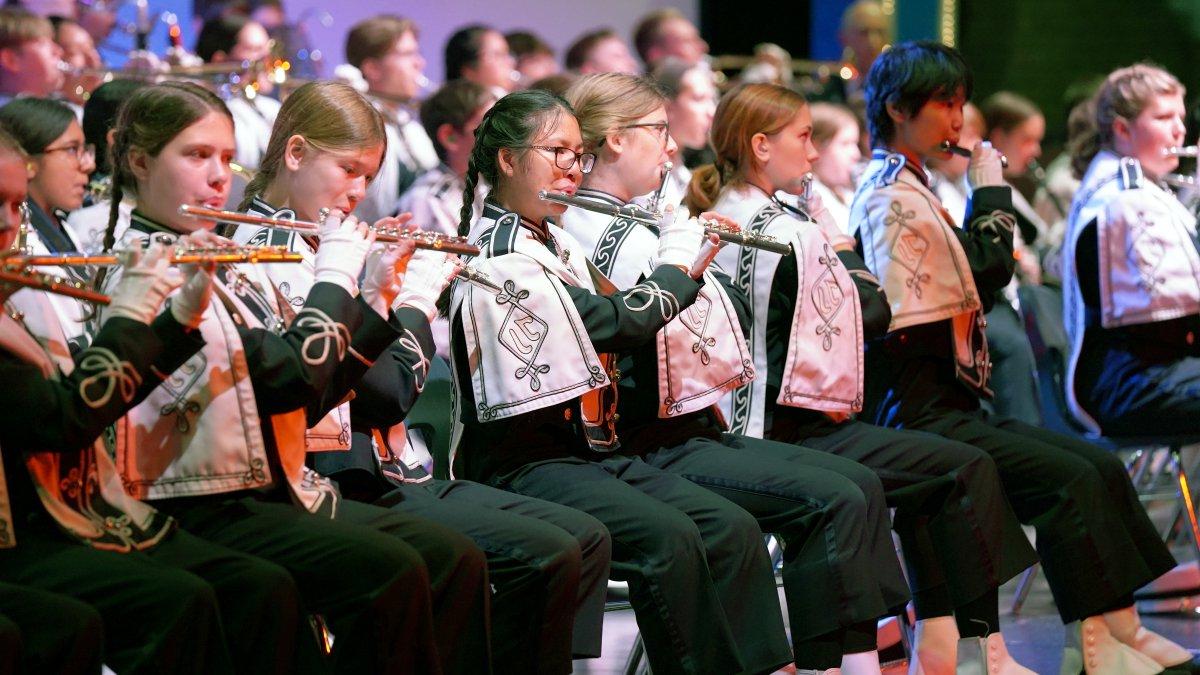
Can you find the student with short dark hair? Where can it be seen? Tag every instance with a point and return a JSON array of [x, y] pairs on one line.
[[930, 371], [600, 51], [480, 53]]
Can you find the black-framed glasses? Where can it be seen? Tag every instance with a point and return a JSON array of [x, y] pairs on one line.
[[80, 152], [565, 158], [660, 129]]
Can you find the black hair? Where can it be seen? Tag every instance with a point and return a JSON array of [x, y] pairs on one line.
[[100, 114], [454, 104], [908, 76], [35, 122], [220, 35], [462, 49]]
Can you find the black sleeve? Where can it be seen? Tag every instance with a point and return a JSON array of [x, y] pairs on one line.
[[293, 370], [389, 389], [876, 312], [988, 242], [627, 319], [69, 413], [372, 339], [739, 299]]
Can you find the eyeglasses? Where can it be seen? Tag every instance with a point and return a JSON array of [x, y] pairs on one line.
[[565, 158], [661, 129], [80, 152]]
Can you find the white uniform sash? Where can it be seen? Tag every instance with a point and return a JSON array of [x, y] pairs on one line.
[[82, 490], [1148, 266], [824, 366], [701, 353]]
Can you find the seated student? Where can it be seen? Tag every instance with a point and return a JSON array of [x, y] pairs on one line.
[[948, 177], [60, 161], [480, 54], [600, 51], [384, 48], [699, 580], [692, 100], [66, 524], [930, 371], [1132, 299], [234, 38], [667, 33], [830, 511], [220, 445], [537, 551], [835, 136], [29, 57], [78, 51], [534, 57]]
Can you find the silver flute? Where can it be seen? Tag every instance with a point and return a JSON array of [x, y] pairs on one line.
[[947, 146], [640, 215], [1182, 151]]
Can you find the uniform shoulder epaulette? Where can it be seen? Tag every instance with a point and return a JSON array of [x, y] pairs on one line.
[[1129, 174], [893, 164], [442, 184]]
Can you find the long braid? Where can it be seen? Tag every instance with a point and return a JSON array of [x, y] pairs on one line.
[[467, 212]]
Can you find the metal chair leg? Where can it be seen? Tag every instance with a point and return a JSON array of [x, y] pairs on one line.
[[1023, 588], [1187, 496], [635, 664]]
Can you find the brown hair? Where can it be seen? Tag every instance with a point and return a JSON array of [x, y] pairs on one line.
[[1006, 110], [604, 101], [372, 38], [581, 49], [1125, 92], [331, 116], [828, 119], [18, 26], [649, 30], [746, 110], [454, 104]]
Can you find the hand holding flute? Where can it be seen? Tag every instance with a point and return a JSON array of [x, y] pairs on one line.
[[986, 168]]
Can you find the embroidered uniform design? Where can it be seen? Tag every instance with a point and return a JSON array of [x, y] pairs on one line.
[[648, 292], [523, 334], [111, 374], [828, 298], [1147, 253], [695, 319], [995, 221], [329, 336], [178, 385], [744, 280], [605, 257], [909, 247], [420, 369]]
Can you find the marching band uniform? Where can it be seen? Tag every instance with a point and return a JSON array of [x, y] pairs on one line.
[[409, 153], [534, 548], [253, 119], [830, 511], [44, 632], [812, 312], [87, 225], [81, 535], [220, 446], [525, 368], [1132, 303], [48, 234], [930, 371]]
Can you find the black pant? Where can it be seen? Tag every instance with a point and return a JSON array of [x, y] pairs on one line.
[[43, 632], [699, 577], [1095, 540], [401, 594], [1014, 368], [957, 529], [840, 566], [546, 562]]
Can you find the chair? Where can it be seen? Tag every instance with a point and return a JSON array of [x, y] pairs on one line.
[[1150, 458]]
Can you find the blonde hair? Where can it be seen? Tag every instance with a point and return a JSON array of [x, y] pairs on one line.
[[828, 119], [18, 26], [743, 112], [331, 116], [1125, 93], [605, 101]]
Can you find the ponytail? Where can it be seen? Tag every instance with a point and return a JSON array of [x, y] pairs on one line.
[[703, 189]]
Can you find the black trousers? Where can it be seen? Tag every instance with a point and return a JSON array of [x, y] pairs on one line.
[[400, 594], [1014, 368], [840, 566], [955, 525], [42, 632], [1132, 398], [164, 608], [1096, 542], [699, 577], [546, 562]]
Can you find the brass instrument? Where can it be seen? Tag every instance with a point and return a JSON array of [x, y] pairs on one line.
[[645, 217], [52, 284], [421, 239], [947, 146]]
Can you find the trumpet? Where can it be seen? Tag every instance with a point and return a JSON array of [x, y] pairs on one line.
[[186, 255], [640, 215], [420, 238], [52, 284], [947, 146]]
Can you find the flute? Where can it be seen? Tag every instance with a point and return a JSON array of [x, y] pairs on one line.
[[640, 215], [1182, 151], [180, 256], [388, 235], [52, 284], [947, 146]]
